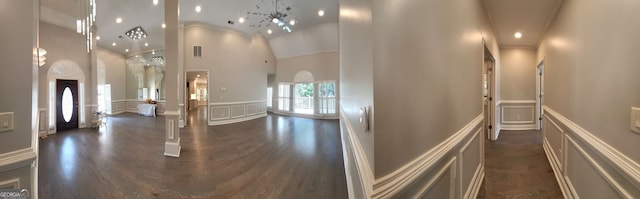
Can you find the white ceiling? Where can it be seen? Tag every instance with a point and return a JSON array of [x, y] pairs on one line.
[[214, 12], [530, 17]]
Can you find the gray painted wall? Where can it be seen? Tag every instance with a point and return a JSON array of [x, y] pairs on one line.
[[17, 77], [115, 72], [427, 76], [518, 74], [592, 78], [234, 60], [591, 81], [63, 44], [18, 85]]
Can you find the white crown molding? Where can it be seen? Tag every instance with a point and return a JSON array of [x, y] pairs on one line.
[[400, 179]]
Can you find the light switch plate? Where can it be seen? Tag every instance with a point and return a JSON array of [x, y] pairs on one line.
[[635, 120], [6, 121]]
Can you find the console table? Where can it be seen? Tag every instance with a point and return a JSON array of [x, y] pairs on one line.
[[147, 109]]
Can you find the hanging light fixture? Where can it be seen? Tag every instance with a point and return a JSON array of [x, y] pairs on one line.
[[86, 18], [278, 16]]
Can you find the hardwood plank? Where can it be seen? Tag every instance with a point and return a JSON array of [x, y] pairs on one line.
[[517, 167], [271, 157]]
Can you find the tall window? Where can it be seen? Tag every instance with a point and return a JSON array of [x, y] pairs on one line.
[[269, 97], [304, 98], [284, 97], [327, 98]]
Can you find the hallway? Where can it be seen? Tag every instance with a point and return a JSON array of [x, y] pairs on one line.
[[271, 157], [517, 167]]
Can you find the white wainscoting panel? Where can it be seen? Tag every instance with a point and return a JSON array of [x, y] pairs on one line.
[[585, 166], [252, 109], [10, 184], [517, 114], [413, 175], [118, 106], [238, 111], [43, 120], [132, 105], [357, 169], [232, 112]]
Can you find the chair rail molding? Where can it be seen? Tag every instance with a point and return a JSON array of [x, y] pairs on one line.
[[617, 170], [365, 173], [403, 178]]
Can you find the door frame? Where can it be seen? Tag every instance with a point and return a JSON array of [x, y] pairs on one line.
[[539, 93], [186, 96], [490, 121], [70, 70]]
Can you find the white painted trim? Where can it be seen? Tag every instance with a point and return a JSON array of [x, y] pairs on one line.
[[14, 183], [211, 118], [361, 161], [518, 127], [628, 168], [400, 179], [517, 101], [239, 102], [461, 169], [604, 174], [451, 166], [502, 117], [327, 117], [476, 183], [231, 121], [346, 148], [561, 165], [17, 159], [172, 149], [244, 111], [551, 157]]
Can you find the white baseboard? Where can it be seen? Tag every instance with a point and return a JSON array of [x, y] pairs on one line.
[[333, 117], [231, 121], [517, 127]]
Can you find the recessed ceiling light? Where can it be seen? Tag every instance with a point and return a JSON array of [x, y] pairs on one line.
[[126, 50], [113, 44], [164, 25], [321, 13], [153, 52], [97, 37], [518, 35], [155, 2], [146, 44], [198, 75], [292, 22], [118, 20], [198, 8], [241, 20], [269, 31]]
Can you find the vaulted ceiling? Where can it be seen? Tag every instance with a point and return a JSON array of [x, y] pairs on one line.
[[529, 17], [214, 12]]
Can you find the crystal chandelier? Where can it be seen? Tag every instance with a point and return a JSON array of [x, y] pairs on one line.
[[157, 60], [136, 33], [86, 18]]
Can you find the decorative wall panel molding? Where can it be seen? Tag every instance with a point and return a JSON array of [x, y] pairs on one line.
[[517, 114], [606, 167], [354, 152], [43, 119], [233, 112], [406, 177]]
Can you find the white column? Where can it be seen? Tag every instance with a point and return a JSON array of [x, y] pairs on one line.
[[172, 113]]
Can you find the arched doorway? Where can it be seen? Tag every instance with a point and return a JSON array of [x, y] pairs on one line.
[[66, 95]]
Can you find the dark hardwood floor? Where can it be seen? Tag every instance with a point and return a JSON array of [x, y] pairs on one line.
[[517, 167], [271, 157]]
